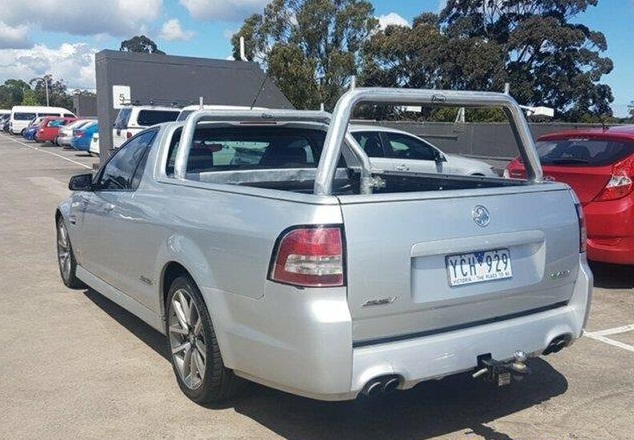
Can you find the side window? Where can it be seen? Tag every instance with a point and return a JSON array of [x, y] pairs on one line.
[[121, 123], [407, 147], [120, 173], [370, 142]]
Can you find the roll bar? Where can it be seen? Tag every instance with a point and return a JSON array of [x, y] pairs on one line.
[[252, 116], [436, 98]]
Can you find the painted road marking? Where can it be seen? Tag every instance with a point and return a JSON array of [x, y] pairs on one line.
[[601, 336], [614, 331], [47, 152]]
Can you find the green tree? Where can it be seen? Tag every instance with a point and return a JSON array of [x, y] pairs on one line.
[[547, 59], [140, 43], [12, 92], [30, 98], [310, 48], [57, 93]]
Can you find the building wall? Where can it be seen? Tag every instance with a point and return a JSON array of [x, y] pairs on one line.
[[85, 105], [175, 80]]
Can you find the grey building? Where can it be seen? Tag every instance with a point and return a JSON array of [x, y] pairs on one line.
[[175, 80]]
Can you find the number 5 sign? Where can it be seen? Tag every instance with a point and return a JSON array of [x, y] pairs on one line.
[[120, 96]]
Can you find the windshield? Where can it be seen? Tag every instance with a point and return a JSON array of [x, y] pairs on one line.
[[583, 152]]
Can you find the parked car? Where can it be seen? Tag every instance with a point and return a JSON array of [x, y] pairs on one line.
[[4, 121], [22, 114], [397, 150], [310, 271], [32, 128], [94, 144], [131, 120], [599, 165], [65, 134], [49, 128], [82, 136]]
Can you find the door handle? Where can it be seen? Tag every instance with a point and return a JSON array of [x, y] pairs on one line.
[[402, 167], [108, 207]]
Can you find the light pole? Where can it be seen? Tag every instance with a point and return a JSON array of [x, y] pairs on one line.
[[45, 78]]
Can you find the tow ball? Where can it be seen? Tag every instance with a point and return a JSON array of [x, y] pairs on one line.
[[500, 373]]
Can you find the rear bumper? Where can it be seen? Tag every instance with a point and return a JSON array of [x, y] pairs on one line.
[[301, 342], [611, 230]]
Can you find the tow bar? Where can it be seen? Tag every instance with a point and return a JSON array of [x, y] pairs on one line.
[[501, 372]]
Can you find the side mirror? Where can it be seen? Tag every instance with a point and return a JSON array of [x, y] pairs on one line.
[[439, 157], [80, 182]]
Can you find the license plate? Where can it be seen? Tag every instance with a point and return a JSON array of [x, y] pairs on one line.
[[478, 267]]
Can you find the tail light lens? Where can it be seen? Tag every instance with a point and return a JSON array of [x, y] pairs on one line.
[[621, 183], [128, 135], [309, 257]]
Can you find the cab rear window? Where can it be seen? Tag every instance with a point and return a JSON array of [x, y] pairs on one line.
[[224, 149], [583, 152]]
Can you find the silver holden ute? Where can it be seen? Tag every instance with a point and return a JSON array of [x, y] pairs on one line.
[[265, 247]]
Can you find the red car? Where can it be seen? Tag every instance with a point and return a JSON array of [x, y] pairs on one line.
[[599, 165], [49, 128]]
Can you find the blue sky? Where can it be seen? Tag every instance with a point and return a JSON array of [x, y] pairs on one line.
[[34, 43]]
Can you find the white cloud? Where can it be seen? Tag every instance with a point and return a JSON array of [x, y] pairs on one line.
[[14, 37], [172, 31], [222, 10], [74, 63], [392, 19], [121, 18]]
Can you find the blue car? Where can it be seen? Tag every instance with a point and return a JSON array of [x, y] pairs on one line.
[[82, 136], [32, 129]]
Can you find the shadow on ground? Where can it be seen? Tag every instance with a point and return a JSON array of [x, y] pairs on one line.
[[455, 404], [612, 276]]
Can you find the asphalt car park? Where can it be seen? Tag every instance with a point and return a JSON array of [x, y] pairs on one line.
[[75, 365]]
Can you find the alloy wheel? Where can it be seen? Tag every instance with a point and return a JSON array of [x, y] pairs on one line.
[[187, 339]]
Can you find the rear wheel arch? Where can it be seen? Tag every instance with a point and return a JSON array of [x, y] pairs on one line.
[[171, 271]]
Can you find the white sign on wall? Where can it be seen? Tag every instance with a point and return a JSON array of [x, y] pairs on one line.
[[120, 96]]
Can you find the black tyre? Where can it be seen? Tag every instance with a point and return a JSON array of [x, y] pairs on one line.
[[192, 342], [66, 257]]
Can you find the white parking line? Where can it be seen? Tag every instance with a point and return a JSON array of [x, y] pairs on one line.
[[614, 331], [601, 336], [47, 152]]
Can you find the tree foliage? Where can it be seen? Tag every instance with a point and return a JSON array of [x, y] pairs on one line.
[[481, 44], [12, 92], [140, 43], [57, 92], [310, 48], [548, 59]]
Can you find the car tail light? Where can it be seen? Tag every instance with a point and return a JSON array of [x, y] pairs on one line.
[[309, 256], [621, 183], [583, 232], [128, 134]]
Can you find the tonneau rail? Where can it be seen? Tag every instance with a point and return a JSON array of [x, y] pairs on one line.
[[434, 98]]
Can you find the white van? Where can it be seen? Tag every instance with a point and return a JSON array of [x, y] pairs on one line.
[[21, 115], [131, 120], [186, 111]]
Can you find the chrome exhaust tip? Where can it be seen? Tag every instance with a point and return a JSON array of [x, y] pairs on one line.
[[391, 384], [557, 344]]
